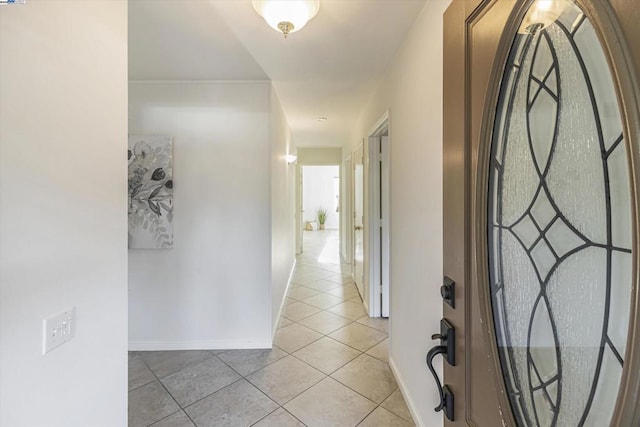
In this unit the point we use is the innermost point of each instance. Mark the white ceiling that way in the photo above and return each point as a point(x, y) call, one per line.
point(329, 69)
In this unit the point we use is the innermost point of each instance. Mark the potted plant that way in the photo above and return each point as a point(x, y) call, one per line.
point(322, 217)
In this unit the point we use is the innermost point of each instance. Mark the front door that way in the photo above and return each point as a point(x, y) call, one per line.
point(541, 142)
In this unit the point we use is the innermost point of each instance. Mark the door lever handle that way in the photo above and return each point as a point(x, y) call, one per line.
point(447, 337)
point(447, 350)
point(444, 397)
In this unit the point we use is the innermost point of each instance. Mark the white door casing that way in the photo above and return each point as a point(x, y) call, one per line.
point(385, 231)
point(358, 218)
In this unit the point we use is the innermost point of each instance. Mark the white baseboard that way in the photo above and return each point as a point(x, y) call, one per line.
point(405, 393)
point(198, 345)
point(284, 299)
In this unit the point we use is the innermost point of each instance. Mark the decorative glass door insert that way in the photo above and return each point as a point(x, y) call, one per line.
point(559, 223)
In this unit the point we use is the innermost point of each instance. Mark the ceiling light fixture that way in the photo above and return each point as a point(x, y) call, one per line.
point(287, 16)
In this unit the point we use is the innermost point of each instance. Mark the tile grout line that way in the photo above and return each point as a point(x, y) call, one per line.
point(209, 395)
point(142, 385)
point(168, 392)
point(342, 366)
point(311, 271)
point(366, 416)
point(278, 403)
point(228, 385)
point(335, 370)
point(327, 336)
point(261, 391)
point(325, 376)
point(342, 327)
point(331, 375)
point(274, 411)
point(183, 408)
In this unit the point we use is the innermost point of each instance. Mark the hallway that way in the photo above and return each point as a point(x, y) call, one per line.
point(328, 367)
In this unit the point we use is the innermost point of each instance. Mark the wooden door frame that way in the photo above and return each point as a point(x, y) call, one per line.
point(623, 54)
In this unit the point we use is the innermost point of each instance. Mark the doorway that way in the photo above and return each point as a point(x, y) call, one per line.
point(318, 200)
point(378, 223)
point(321, 197)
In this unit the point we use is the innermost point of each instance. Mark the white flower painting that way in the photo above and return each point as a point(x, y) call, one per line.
point(150, 192)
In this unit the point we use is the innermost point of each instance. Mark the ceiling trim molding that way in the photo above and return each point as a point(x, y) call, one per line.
point(199, 82)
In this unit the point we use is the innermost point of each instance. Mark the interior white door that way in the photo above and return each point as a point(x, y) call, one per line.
point(346, 223)
point(299, 210)
point(384, 223)
point(358, 219)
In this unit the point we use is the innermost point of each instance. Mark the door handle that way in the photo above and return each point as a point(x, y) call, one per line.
point(358, 227)
point(447, 350)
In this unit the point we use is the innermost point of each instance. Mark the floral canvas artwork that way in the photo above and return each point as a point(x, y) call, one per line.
point(150, 192)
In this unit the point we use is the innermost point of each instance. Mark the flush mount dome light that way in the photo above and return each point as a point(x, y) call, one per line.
point(287, 16)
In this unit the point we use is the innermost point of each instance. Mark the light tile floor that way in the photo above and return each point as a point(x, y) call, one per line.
point(328, 367)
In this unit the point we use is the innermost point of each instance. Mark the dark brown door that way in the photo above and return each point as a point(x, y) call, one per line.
point(541, 131)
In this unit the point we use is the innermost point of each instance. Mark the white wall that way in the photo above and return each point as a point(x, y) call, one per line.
point(319, 192)
point(213, 289)
point(319, 155)
point(282, 209)
point(412, 92)
point(63, 202)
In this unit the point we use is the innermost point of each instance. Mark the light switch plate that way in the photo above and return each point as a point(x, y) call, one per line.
point(58, 329)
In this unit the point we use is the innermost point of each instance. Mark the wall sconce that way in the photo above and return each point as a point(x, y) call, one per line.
point(291, 159)
point(287, 16)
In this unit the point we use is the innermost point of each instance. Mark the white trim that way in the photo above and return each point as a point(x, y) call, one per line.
point(375, 260)
point(284, 299)
point(366, 304)
point(354, 163)
point(372, 262)
point(405, 393)
point(199, 345)
point(198, 82)
point(381, 125)
point(346, 223)
point(298, 209)
point(385, 229)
